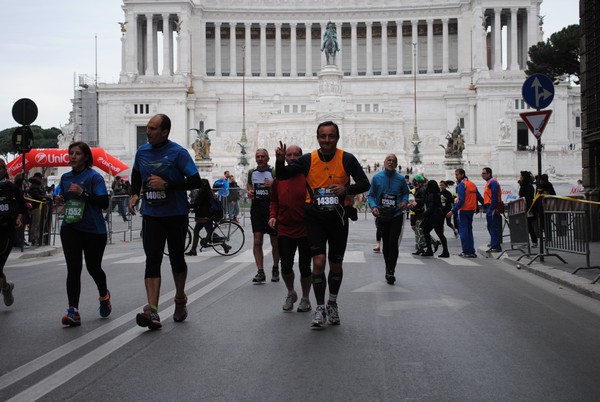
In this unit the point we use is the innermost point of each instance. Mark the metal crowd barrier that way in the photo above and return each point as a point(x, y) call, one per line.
point(516, 220)
point(567, 229)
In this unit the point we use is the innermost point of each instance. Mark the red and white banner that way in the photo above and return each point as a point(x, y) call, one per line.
point(52, 157)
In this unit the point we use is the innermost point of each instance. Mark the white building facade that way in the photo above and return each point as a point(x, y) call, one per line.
point(256, 66)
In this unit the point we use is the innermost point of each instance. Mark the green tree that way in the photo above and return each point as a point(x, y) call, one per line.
point(558, 56)
point(42, 138)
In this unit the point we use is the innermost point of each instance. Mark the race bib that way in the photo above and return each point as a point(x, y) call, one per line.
point(155, 198)
point(262, 191)
point(325, 199)
point(74, 210)
point(4, 206)
point(388, 200)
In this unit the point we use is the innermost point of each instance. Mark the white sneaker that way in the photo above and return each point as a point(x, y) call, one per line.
point(333, 315)
point(289, 301)
point(319, 318)
point(304, 306)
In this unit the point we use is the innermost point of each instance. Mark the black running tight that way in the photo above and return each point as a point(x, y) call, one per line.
point(91, 245)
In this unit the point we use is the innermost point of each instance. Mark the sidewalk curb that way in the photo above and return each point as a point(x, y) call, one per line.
point(565, 279)
point(40, 252)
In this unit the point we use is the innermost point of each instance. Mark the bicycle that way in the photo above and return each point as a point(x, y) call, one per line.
point(227, 238)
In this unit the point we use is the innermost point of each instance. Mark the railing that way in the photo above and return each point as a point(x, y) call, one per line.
point(516, 220)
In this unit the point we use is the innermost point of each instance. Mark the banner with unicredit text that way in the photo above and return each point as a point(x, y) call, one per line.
point(52, 157)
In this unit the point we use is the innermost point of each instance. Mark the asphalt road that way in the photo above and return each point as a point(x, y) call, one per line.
point(448, 330)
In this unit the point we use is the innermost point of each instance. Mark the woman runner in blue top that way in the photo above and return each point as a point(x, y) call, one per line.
point(83, 230)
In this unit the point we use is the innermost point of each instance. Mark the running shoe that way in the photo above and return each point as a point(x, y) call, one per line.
point(427, 254)
point(390, 278)
point(319, 318)
point(7, 293)
point(259, 277)
point(191, 253)
point(105, 306)
point(377, 249)
point(333, 315)
point(226, 248)
point(275, 275)
point(290, 299)
point(304, 306)
point(71, 317)
point(444, 255)
point(467, 255)
point(148, 319)
point(418, 252)
point(180, 309)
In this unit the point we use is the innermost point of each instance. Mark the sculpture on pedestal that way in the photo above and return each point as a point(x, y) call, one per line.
point(330, 43)
point(455, 145)
point(202, 144)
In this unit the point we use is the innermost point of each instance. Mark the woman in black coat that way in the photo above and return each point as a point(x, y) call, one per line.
point(434, 219)
point(527, 191)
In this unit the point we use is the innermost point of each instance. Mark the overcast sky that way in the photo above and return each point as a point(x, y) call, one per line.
point(46, 43)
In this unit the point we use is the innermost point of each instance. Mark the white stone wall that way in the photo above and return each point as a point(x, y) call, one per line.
point(289, 108)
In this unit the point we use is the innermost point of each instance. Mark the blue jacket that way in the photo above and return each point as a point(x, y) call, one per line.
point(392, 183)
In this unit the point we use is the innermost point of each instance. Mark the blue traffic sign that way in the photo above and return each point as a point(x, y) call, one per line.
point(538, 91)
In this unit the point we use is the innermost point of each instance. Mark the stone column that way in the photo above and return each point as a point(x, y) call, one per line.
point(232, 51)
point(123, 56)
point(514, 58)
point(184, 41)
point(384, 48)
point(354, 49)
point(248, 49)
point(497, 40)
point(149, 45)
point(472, 117)
point(278, 49)
point(172, 48)
point(399, 49)
point(166, 45)
point(201, 66)
point(415, 39)
point(131, 63)
point(338, 57)
point(445, 45)
point(369, 47)
point(429, 46)
point(533, 36)
point(218, 56)
point(293, 58)
point(309, 71)
point(263, 49)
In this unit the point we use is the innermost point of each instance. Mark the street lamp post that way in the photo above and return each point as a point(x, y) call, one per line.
point(416, 141)
point(243, 140)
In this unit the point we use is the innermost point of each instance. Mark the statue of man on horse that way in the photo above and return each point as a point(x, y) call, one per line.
point(330, 43)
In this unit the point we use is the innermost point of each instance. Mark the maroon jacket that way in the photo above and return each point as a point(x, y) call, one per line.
point(287, 206)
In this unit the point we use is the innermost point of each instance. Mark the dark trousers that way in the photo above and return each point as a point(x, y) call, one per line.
point(91, 245)
point(390, 239)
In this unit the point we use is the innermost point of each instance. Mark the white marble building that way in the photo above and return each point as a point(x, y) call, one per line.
point(257, 65)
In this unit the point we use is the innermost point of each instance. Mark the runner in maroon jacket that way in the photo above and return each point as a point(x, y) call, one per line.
point(286, 211)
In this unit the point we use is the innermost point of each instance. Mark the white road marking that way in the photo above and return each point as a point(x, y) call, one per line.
point(65, 374)
point(388, 308)
point(381, 287)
